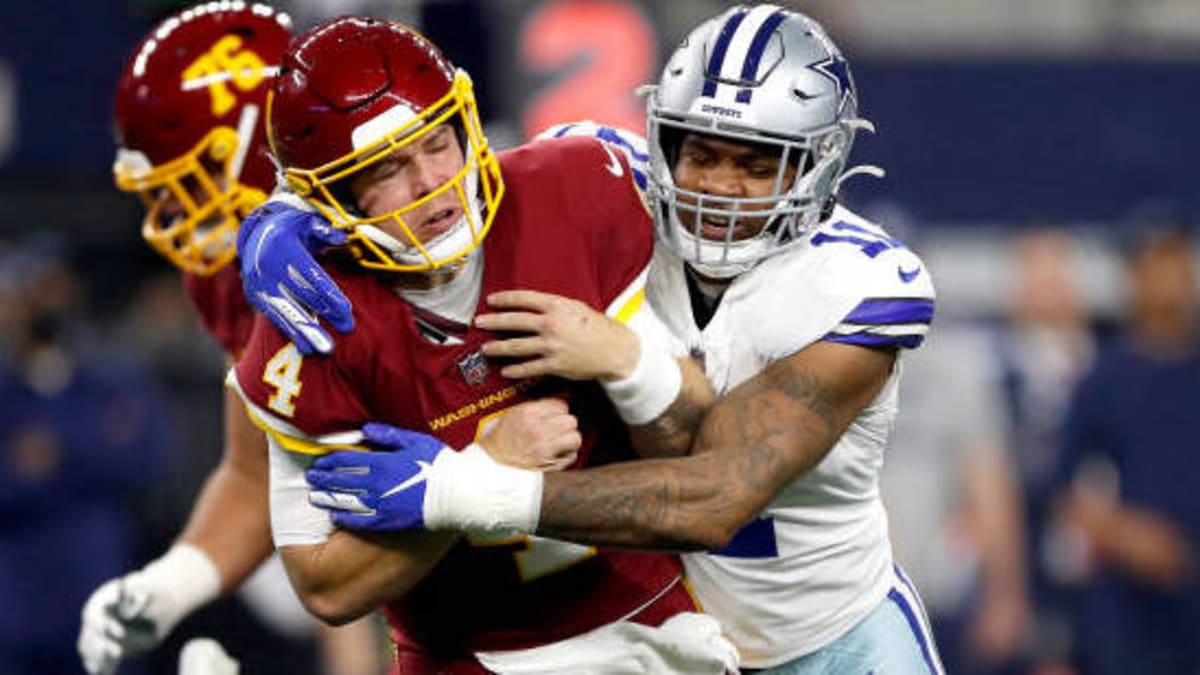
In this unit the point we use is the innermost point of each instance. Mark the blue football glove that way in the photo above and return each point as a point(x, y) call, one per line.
point(377, 490)
point(282, 280)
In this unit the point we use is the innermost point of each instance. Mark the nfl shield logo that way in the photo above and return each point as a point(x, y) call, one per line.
point(474, 368)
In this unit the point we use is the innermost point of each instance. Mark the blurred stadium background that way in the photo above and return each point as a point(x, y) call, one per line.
point(1023, 140)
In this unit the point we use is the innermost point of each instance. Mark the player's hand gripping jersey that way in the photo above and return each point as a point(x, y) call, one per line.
point(818, 559)
point(569, 224)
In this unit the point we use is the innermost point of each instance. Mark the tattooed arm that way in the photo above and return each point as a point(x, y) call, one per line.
point(672, 433)
point(754, 441)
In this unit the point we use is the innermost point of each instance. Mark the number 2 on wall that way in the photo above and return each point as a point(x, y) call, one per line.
point(620, 48)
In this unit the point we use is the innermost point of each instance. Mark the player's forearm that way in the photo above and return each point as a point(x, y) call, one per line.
point(354, 573)
point(758, 438)
point(677, 505)
point(230, 520)
point(671, 434)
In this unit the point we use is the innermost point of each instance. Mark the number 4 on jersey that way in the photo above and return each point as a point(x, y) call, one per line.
point(283, 373)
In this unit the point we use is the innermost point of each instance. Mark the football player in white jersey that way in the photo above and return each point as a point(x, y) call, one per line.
point(798, 309)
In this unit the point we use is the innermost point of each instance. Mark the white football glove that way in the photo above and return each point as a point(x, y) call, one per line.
point(130, 615)
point(205, 656)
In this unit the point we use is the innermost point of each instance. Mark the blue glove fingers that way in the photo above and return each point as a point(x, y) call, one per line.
point(344, 481)
point(338, 502)
point(344, 461)
point(391, 485)
point(299, 237)
point(290, 332)
point(312, 287)
point(292, 219)
point(326, 233)
point(293, 321)
point(396, 438)
point(277, 243)
point(248, 230)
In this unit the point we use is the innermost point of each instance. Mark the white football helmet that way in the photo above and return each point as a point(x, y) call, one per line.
point(760, 75)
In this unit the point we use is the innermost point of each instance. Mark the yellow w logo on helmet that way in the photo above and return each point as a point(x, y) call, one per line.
point(222, 64)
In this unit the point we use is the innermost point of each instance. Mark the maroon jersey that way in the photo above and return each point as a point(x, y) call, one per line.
point(223, 308)
point(570, 223)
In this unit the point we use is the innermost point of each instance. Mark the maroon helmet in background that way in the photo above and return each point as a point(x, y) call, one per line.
point(352, 91)
point(190, 109)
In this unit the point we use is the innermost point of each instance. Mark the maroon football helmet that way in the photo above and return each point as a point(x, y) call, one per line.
point(190, 105)
point(355, 90)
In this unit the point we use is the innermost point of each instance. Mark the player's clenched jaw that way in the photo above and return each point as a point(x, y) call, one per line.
point(723, 170)
point(412, 181)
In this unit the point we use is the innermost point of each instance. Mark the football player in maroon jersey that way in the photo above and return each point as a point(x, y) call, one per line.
point(378, 132)
point(190, 104)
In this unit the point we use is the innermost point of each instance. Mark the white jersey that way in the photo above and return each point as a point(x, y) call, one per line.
point(818, 559)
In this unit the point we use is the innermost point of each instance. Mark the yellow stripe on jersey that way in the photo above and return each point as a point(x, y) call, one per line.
point(626, 312)
point(289, 437)
point(630, 300)
point(687, 586)
point(303, 446)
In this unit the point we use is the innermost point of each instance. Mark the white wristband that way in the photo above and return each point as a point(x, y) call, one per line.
point(470, 492)
point(650, 389)
point(183, 579)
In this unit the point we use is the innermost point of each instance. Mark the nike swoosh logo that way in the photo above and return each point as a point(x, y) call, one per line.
point(418, 477)
point(614, 165)
point(908, 275)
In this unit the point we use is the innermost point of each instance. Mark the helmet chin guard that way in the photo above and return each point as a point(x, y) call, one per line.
point(327, 127)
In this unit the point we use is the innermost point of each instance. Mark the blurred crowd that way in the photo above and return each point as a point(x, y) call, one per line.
point(108, 424)
point(1040, 484)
